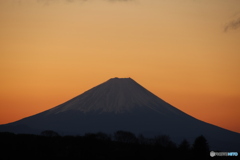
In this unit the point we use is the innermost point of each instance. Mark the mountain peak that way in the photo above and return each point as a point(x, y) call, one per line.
point(117, 95)
point(119, 79)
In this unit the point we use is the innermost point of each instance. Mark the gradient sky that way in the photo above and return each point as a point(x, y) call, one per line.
point(187, 52)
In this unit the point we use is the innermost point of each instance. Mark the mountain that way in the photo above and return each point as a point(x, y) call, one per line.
point(123, 104)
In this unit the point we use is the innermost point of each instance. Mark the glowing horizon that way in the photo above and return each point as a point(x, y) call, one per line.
point(185, 52)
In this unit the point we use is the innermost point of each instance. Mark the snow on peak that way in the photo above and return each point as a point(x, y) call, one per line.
point(120, 79)
point(116, 95)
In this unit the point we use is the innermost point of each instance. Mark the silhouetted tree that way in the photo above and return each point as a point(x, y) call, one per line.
point(201, 148)
point(103, 136)
point(142, 139)
point(49, 133)
point(184, 150)
point(164, 141)
point(99, 136)
point(98, 146)
point(126, 137)
point(184, 146)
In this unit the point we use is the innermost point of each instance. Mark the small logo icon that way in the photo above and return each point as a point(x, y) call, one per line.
point(212, 153)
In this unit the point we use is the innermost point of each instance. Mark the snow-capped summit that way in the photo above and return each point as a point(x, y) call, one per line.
point(123, 104)
point(117, 95)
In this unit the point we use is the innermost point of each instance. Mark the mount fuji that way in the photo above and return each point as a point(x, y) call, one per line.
point(123, 104)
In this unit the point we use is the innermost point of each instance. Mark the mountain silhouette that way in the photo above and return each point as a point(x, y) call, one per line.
point(123, 104)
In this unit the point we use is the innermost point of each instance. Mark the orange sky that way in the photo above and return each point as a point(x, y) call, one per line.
point(177, 49)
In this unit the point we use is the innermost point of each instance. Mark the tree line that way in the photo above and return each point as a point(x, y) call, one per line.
point(120, 145)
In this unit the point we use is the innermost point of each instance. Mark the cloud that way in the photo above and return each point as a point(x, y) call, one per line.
point(233, 25)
